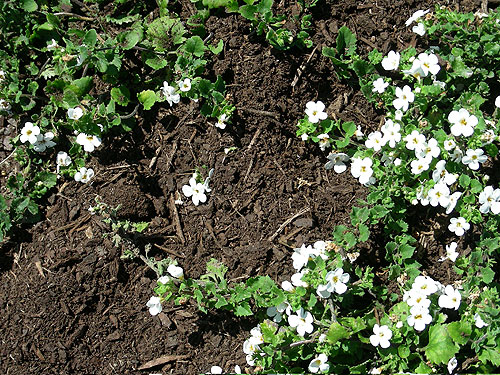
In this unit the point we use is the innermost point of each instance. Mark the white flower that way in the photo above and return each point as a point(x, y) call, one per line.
point(420, 165)
point(358, 133)
point(319, 364)
point(415, 141)
point(379, 85)
point(164, 279)
point(419, 29)
point(497, 102)
point(4, 105)
point(287, 286)
point(296, 279)
point(84, 175)
point(185, 85)
point(403, 99)
point(449, 144)
point(425, 285)
point(221, 121)
point(430, 149)
point(488, 199)
point(52, 45)
point(216, 370)
point(196, 191)
point(429, 63)
point(2, 75)
point(315, 111)
point(375, 371)
point(419, 318)
point(451, 299)
point(376, 141)
point(473, 158)
point(256, 335)
point(336, 161)
point(154, 305)
point(44, 142)
point(170, 94)
point(452, 364)
point(175, 271)
point(301, 256)
point(29, 133)
point(416, 297)
point(362, 169)
point(302, 321)
point(304, 137)
point(453, 201)
point(88, 141)
point(63, 159)
point(458, 225)
point(415, 16)
point(391, 61)
point(451, 252)
point(381, 336)
point(336, 281)
point(324, 141)
point(479, 322)
point(440, 174)
point(462, 122)
point(398, 115)
point(75, 113)
point(391, 132)
point(237, 369)
point(439, 194)
point(250, 348)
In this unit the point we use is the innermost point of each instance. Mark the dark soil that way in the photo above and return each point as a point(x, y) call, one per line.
point(71, 305)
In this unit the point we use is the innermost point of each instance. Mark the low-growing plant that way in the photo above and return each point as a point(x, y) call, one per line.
point(438, 136)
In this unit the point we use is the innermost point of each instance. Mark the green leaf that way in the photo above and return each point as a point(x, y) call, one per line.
point(354, 324)
point(490, 354)
point(248, 12)
point(406, 251)
point(441, 347)
point(487, 275)
point(460, 332)
point(243, 310)
point(121, 95)
point(403, 351)
point(90, 39)
point(81, 86)
point(475, 186)
point(148, 98)
point(70, 99)
point(29, 5)
point(47, 178)
point(346, 41)
point(337, 332)
point(131, 38)
point(195, 46)
point(464, 181)
point(218, 48)
point(349, 128)
point(216, 3)
point(422, 368)
point(364, 232)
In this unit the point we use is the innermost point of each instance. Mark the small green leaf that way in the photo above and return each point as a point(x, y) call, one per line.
point(90, 39)
point(121, 95)
point(406, 251)
point(403, 351)
point(337, 332)
point(243, 310)
point(441, 347)
point(156, 62)
point(475, 186)
point(148, 98)
point(218, 48)
point(195, 46)
point(131, 38)
point(81, 86)
point(346, 41)
point(464, 181)
point(349, 128)
point(29, 5)
point(487, 275)
point(364, 232)
point(248, 12)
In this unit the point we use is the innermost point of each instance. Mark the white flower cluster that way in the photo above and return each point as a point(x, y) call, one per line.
point(154, 303)
point(31, 133)
point(418, 298)
point(196, 190)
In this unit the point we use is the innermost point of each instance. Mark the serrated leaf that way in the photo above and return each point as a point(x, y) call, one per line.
point(131, 38)
point(81, 86)
point(364, 232)
point(349, 128)
point(441, 347)
point(490, 354)
point(346, 41)
point(406, 251)
point(156, 62)
point(147, 98)
point(460, 332)
point(218, 48)
point(487, 275)
point(216, 3)
point(243, 310)
point(248, 12)
point(47, 178)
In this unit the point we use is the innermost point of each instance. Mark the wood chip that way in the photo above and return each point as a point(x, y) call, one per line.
point(162, 360)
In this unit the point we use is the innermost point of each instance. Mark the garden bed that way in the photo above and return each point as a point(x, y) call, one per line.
point(71, 305)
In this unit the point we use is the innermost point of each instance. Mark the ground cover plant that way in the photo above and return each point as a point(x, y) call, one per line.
point(223, 166)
